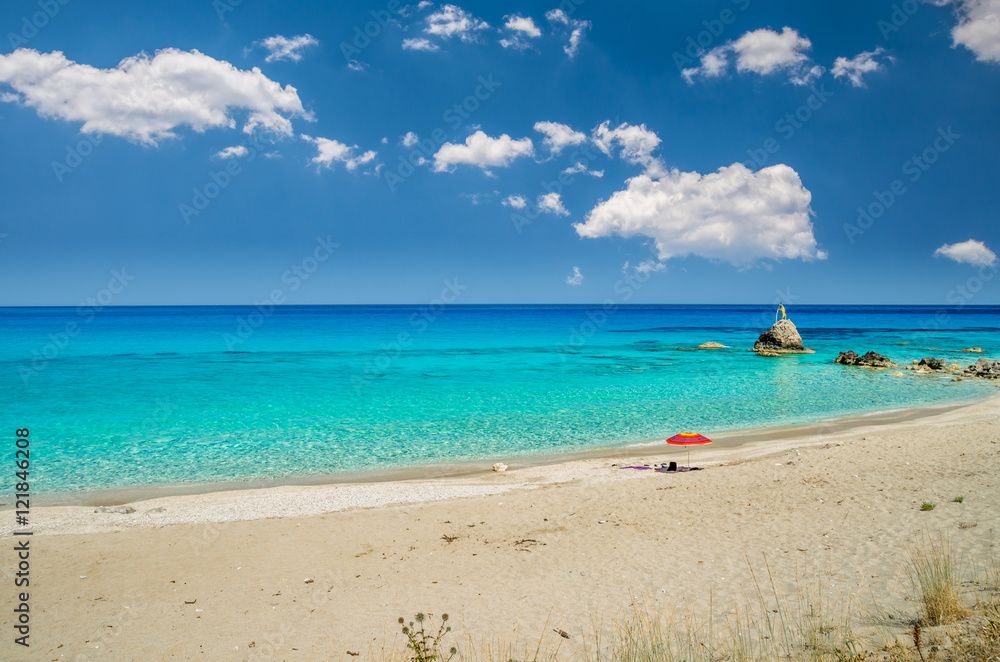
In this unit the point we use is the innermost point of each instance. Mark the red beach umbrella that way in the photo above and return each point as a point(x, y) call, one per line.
point(688, 439)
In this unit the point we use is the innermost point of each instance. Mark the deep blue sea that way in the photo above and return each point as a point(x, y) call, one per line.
point(173, 395)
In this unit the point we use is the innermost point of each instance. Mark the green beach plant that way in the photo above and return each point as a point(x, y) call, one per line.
point(958, 499)
point(425, 644)
point(934, 571)
point(927, 505)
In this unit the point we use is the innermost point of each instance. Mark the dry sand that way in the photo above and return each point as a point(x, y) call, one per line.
point(303, 573)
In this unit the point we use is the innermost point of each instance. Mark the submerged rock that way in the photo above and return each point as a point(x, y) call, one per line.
point(711, 345)
point(973, 350)
point(783, 337)
point(869, 360)
point(984, 369)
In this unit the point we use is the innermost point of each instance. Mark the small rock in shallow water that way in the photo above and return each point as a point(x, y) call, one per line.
point(499, 467)
point(869, 360)
point(932, 363)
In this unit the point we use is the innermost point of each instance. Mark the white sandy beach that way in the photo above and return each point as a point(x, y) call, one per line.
point(303, 573)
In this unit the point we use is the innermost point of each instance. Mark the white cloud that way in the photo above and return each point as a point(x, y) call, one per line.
point(334, 151)
point(521, 29)
point(453, 21)
point(645, 267)
point(580, 167)
point(515, 201)
point(734, 215)
point(762, 52)
point(420, 44)
point(282, 48)
point(576, 278)
point(145, 99)
point(766, 51)
point(410, 139)
point(482, 151)
point(978, 28)
point(551, 203)
point(236, 151)
point(714, 63)
point(637, 142)
point(855, 68)
point(424, 4)
point(577, 28)
point(523, 24)
point(968, 252)
point(559, 136)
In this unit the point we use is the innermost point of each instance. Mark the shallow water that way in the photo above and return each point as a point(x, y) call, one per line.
point(172, 395)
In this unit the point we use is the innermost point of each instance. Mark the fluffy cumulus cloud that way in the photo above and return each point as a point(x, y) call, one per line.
point(410, 139)
point(637, 143)
point(420, 44)
point(283, 48)
point(524, 25)
point(482, 151)
point(551, 203)
point(453, 21)
point(330, 152)
point(763, 52)
point(855, 68)
point(575, 278)
point(520, 30)
point(146, 99)
point(234, 152)
point(978, 28)
point(577, 30)
point(515, 201)
point(559, 136)
point(968, 252)
point(733, 215)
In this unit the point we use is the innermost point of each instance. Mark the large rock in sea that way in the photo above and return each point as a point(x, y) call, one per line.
point(783, 337)
point(869, 360)
point(985, 369)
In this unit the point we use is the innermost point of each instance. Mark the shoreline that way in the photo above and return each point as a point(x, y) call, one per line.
point(207, 503)
point(729, 439)
point(323, 572)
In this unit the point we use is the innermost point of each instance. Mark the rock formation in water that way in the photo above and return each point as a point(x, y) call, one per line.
point(869, 360)
point(985, 369)
point(711, 345)
point(932, 363)
point(782, 338)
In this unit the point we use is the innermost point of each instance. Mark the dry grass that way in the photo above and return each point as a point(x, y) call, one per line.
point(934, 571)
point(812, 623)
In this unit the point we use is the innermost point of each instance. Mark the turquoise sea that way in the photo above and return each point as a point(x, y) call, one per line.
point(173, 395)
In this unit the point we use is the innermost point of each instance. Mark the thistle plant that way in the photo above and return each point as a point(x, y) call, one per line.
point(424, 641)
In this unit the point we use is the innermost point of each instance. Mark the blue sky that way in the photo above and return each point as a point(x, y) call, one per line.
point(718, 151)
